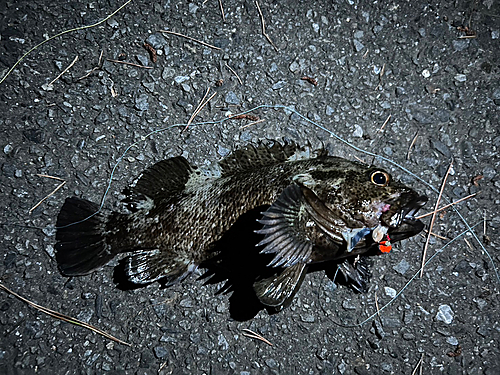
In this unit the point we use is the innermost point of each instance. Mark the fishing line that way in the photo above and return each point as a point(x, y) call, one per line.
point(409, 281)
point(403, 169)
point(292, 110)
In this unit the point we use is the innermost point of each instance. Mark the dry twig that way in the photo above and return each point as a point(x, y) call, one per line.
point(445, 207)
point(384, 124)
point(50, 194)
point(311, 80)
point(245, 116)
point(192, 39)
point(435, 235)
point(433, 219)
point(152, 52)
point(99, 66)
point(411, 146)
point(456, 352)
point(253, 335)
point(200, 106)
point(468, 244)
point(252, 123)
point(63, 317)
point(131, 64)
point(264, 26)
point(64, 71)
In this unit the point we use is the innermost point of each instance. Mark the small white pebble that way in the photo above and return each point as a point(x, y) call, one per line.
point(390, 292)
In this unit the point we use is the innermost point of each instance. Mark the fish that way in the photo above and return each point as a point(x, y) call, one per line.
point(314, 208)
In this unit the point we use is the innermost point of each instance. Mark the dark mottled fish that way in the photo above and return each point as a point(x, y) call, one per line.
point(314, 210)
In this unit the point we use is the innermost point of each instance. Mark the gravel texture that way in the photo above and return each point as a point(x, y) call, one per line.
point(405, 59)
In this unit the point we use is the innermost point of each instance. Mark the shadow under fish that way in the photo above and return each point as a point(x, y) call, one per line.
point(238, 271)
point(258, 221)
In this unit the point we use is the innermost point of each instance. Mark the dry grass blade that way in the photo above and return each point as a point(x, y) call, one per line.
point(47, 196)
point(360, 160)
point(49, 176)
point(63, 317)
point(419, 365)
point(434, 219)
point(232, 71)
point(129, 63)
point(222, 10)
point(376, 305)
point(64, 71)
point(468, 244)
point(484, 225)
point(60, 34)
point(264, 26)
point(253, 335)
point(198, 109)
point(192, 39)
point(445, 207)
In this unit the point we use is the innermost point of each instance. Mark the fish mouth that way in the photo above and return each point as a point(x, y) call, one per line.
point(403, 223)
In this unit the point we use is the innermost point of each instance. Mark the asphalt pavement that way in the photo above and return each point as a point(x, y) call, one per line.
point(415, 82)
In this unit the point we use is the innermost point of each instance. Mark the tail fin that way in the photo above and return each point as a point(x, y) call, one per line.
point(81, 247)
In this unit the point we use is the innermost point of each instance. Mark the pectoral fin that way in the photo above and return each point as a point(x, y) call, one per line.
point(284, 235)
point(278, 291)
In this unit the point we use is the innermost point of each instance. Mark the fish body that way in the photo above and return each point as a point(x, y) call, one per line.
point(314, 209)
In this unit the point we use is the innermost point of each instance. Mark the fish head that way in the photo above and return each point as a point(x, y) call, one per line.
point(354, 195)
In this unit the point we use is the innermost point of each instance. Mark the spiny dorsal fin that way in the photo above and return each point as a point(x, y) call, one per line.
point(251, 156)
point(164, 178)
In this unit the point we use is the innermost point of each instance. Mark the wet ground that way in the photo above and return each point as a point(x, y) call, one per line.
point(415, 83)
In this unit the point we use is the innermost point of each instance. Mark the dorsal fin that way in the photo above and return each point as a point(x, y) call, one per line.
point(164, 178)
point(255, 156)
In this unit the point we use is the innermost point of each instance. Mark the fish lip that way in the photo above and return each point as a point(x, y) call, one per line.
point(408, 225)
point(411, 208)
point(407, 212)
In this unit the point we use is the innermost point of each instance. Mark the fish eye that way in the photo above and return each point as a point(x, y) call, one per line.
point(380, 178)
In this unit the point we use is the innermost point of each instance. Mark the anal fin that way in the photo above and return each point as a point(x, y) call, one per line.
point(278, 291)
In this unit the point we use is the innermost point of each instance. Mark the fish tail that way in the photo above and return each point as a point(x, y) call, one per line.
point(81, 241)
